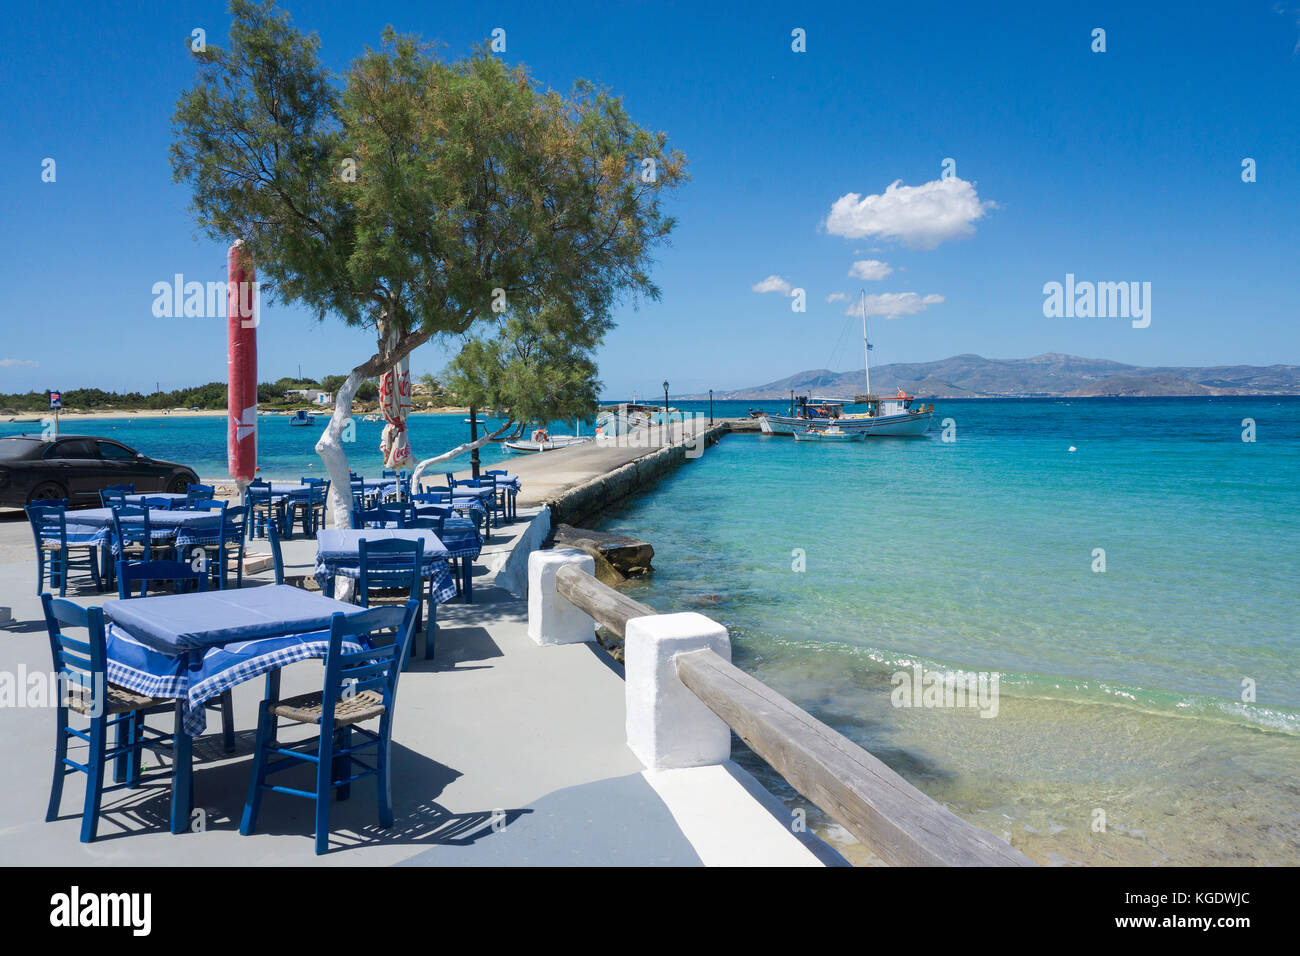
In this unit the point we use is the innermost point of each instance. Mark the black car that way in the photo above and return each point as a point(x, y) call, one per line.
point(76, 467)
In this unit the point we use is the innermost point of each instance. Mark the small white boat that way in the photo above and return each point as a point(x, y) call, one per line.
point(300, 417)
point(550, 443)
point(372, 418)
point(833, 433)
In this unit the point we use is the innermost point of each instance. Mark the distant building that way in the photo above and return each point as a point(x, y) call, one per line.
point(314, 395)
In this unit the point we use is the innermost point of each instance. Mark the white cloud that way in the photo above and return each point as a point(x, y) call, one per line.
point(891, 305)
point(921, 216)
point(773, 284)
point(870, 269)
point(17, 363)
point(837, 297)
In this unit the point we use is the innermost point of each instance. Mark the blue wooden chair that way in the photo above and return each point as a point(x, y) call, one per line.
point(359, 686)
point(310, 510)
point(433, 517)
point(184, 577)
point(261, 508)
point(54, 557)
point(390, 565)
point(233, 532)
point(388, 515)
point(115, 494)
point(180, 573)
point(80, 663)
point(195, 493)
point(133, 533)
point(507, 493)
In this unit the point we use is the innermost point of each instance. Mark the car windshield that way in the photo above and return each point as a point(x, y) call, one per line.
point(20, 448)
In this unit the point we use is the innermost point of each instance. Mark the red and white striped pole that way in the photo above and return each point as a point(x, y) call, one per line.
point(241, 364)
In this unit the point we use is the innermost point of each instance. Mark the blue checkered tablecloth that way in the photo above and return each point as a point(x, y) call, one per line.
point(194, 647)
point(146, 671)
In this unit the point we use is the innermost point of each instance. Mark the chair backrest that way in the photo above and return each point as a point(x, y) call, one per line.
point(135, 527)
point(79, 662)
point(376, 668)
point(129, 572)
point(49, 522)
point(195, 492)
point(497, 471)
point(277, 556)
point(206, 504)
point(258, 492)
point(110, 494)
point(433, 517)
point(388, 474)
point(388, 563)
point(436, 497)
point(383, 515)
point(234, 523)
point(162, 504)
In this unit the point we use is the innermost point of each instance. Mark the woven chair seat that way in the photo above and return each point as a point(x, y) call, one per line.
point(51, 546)
point(306, 708)
point(120, 700)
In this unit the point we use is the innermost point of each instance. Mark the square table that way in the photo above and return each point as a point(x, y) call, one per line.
point(338, 551)
point(197, 646)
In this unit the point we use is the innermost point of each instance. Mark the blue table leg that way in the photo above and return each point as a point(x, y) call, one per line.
point(183, 773)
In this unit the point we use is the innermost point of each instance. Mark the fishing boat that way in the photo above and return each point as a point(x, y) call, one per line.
point(890, 417)
point(300, 417)
point(541, 440)
point(832, 433)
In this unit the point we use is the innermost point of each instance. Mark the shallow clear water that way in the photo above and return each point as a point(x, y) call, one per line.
point(1120, 691)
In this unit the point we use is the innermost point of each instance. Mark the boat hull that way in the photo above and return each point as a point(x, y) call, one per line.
point(554, 445)
point(884, 426)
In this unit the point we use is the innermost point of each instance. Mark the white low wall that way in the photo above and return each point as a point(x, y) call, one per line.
point(513, 575)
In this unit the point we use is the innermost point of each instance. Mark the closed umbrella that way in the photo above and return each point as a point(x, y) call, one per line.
point(241, 365)
point(395, 400)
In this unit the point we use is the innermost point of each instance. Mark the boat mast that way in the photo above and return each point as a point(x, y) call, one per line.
point(866, 346)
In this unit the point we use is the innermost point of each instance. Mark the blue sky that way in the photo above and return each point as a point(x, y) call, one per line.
point(1115, 166)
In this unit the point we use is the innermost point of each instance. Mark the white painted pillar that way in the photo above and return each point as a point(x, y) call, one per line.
point(551, 618)
point(667, 725)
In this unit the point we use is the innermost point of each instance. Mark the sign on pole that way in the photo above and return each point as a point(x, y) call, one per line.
point(56, 401)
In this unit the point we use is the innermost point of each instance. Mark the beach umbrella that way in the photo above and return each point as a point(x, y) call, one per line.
point(395, 400)
point(241, 364)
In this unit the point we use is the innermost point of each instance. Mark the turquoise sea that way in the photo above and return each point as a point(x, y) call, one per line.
point(284, 450)
point(1121, 691)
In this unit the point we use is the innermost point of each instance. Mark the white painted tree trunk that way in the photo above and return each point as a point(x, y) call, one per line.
point(330, 449)
point(418, 474)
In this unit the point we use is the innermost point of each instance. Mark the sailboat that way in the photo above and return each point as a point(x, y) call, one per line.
point(891, 417)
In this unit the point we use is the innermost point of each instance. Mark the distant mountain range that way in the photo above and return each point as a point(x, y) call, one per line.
point(1050, 375)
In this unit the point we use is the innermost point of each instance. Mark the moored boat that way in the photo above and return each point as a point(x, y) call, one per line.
point(886, 417)
point(300, 417)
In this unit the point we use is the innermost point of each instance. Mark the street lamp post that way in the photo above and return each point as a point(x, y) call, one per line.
point(666, 430)
point(710, 408)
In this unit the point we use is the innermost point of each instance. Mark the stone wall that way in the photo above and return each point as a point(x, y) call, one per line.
point(590, 498)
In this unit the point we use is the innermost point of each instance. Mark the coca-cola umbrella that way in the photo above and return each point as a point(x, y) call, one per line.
point(395, 401)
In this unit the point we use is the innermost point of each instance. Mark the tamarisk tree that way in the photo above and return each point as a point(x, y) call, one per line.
point(534, 368)
point(416, 197)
